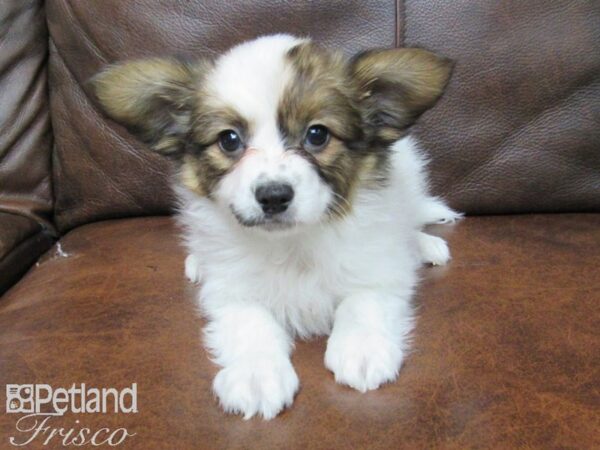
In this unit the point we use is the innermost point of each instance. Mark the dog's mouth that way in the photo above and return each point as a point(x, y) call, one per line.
point(268, 222)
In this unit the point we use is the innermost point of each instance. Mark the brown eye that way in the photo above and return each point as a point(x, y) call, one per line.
point(230, 141)
point(317, 137)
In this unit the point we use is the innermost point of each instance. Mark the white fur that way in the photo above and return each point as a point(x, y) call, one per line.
point(433, 249)
point(193, 271)
point(350, 278)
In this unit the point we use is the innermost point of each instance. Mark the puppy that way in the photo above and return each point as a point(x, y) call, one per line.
point(302, 198)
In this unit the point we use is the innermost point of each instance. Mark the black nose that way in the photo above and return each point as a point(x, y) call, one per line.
point(274, 197)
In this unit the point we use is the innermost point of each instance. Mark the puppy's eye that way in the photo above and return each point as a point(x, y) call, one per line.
point(230, 141)
point(317, 137)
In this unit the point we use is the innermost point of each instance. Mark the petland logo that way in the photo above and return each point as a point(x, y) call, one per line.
point(41, 402)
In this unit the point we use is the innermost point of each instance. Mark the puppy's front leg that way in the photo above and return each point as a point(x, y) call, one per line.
point(254, 350)
point(368, 340)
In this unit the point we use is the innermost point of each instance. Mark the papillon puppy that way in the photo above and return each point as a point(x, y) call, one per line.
point(303, 201)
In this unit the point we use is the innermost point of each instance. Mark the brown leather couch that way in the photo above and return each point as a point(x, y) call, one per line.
point(507, 347)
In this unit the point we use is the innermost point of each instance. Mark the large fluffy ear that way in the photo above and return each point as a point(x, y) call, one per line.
point(397, 86)
point(153, 98)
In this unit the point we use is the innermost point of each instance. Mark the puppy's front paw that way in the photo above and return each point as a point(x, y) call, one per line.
point(264, 386)
point(434, 250)
point(192, 269)
point(363, 360)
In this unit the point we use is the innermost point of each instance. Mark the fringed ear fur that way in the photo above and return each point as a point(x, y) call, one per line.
point(153, 98)
point(397, 86)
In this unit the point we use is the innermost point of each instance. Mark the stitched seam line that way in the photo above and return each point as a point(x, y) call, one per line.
point(400, 22)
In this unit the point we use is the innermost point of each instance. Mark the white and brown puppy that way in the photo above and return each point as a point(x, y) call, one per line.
point(303, 200)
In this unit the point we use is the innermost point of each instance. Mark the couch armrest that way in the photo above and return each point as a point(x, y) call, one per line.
point(22, 241)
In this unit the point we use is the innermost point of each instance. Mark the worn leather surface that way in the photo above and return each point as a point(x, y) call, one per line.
point(517, 130)
point(100, 170)
point(25, 138)
point(506, 350)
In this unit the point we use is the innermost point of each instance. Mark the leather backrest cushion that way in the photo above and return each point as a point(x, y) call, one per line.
point(515, 131)
point(519, 128)
point(25, 132)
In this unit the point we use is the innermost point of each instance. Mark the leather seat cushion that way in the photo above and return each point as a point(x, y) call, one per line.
point(506, 349)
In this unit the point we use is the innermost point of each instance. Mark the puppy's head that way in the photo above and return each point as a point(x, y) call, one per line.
point(278, 131)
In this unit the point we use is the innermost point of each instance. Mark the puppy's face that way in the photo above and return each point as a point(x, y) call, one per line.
point(278, 131)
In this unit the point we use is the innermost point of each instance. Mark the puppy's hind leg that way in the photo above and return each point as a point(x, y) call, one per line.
point(433, 249)
point(193, 270)
point(435, 211)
